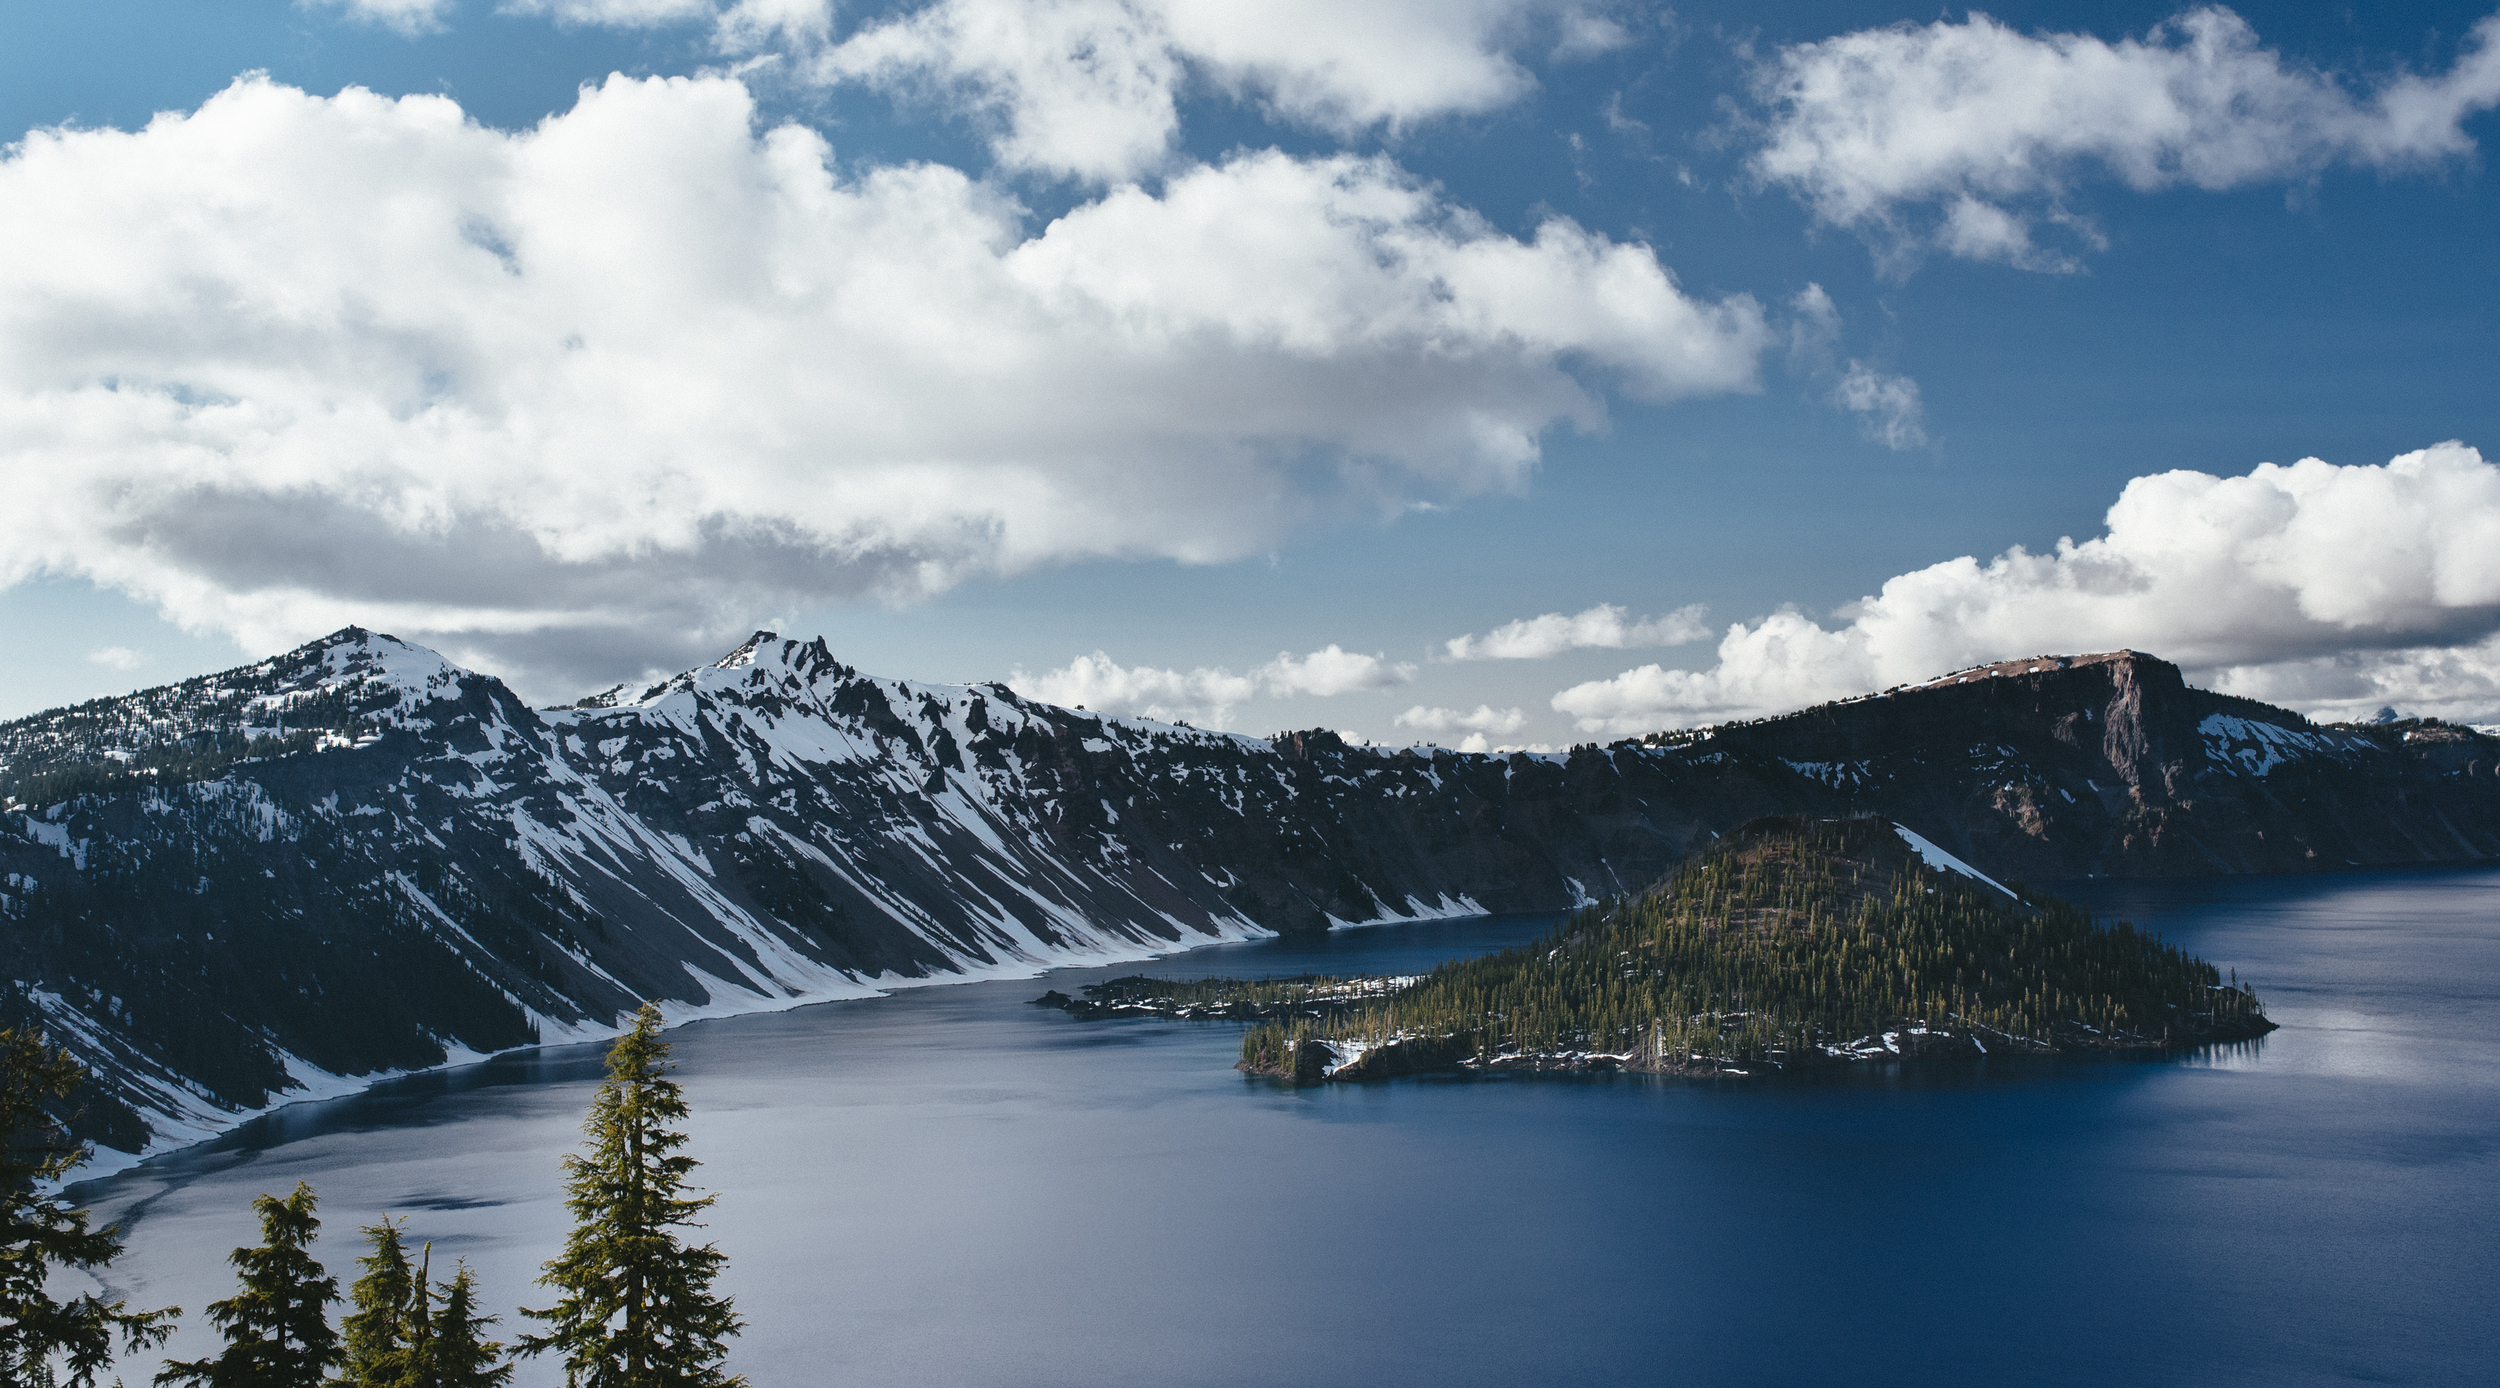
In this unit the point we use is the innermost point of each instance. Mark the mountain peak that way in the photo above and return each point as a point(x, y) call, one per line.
point(745, 654)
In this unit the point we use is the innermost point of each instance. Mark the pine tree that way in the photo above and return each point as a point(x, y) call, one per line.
point(638, 1309)
point(456, 1355)
point(277, 1328)
point(418, 1327)
point(375, 1336)
point(37, 1333)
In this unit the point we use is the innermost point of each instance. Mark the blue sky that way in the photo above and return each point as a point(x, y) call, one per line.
point(1237, 366)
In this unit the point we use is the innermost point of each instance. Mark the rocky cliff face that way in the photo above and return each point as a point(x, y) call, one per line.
point(357, 857)
point(2112, 765)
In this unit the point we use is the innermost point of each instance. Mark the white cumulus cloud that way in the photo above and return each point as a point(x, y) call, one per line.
point(1332, 671)
point(1969, 136)
point(1091, 88)
point(578, 400)
point(1605, 625)
point(2334, 588)
point(1102, 685)
point(1485, 719)
point(1207, 695)
point(1484, 725)
point(1094, 88)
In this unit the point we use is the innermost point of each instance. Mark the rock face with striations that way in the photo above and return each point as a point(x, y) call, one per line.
point(2112, 765)
point(357, 857)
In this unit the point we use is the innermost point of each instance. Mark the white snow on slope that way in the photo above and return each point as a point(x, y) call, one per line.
point(1938, 858)
point(1417, 909)
point(777, 718)
point(2258, 748)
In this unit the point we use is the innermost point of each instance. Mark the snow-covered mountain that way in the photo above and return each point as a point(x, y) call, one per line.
point(357, 857)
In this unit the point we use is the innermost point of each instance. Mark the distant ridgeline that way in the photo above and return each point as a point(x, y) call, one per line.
point(1796, 944)
point(357, 857)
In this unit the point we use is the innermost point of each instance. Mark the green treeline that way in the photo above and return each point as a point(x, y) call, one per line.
point(1304, 994)
point(201, 757)
point(1789, 938)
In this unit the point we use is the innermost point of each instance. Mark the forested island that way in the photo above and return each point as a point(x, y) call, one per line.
point(1793, 944)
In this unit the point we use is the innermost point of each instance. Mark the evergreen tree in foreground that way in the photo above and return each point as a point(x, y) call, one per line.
point(374, 1337)
point(395, 1338)
point(638, 1309)
point(37, 1333)
point(419, 1326)
point(456, 1355)
point(277, 1328)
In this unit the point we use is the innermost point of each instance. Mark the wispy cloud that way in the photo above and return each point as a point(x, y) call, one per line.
point(117, 657)
point(1207, 694)
point(1889, 408)
point(408, 17)
point(1605, 625)
point(615, 14)
point(1091, 88)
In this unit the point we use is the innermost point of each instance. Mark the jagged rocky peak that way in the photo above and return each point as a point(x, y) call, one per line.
point(763, 661)
point(776, 678)
point(745, 655)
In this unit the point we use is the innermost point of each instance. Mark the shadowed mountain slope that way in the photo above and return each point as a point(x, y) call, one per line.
point(357, 857)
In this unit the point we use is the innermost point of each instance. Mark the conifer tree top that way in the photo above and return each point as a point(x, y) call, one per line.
point(277, 1327)
point(374, 1338)
point(637, 1309)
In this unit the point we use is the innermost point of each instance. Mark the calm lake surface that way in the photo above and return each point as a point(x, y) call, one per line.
point(949, 1187)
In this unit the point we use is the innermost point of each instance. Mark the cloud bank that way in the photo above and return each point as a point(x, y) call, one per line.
point(1605, 625)
point(1206, 695)
point(574, 400)
point(2335, 589)
point(1091, 88)
point(1968, 137)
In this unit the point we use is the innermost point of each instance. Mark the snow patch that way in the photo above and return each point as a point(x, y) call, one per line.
point(2257, 748)
point(1447, 908)
point(1938, 858)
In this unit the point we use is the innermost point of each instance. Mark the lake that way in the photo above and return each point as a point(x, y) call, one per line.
point(950, 1187)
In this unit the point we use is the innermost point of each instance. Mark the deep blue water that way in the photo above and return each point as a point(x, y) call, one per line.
point(949, 1187)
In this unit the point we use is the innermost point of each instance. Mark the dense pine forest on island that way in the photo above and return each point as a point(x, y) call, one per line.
point(1793, 944)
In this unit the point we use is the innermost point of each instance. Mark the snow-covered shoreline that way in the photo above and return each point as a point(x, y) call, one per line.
point(203, 1123)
